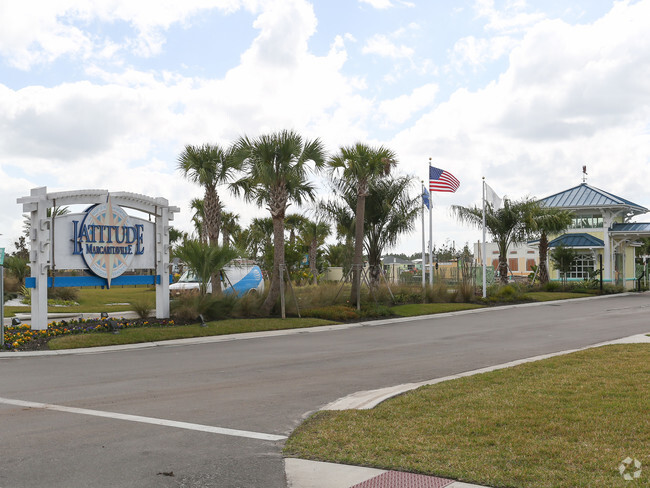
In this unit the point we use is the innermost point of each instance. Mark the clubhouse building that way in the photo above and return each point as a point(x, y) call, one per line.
point(601, 229)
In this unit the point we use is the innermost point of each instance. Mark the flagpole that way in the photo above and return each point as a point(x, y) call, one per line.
point(484, 256)
point(424, 282)
point(430, 228)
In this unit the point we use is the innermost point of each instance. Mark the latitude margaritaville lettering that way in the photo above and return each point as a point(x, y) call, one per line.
point(106, 234)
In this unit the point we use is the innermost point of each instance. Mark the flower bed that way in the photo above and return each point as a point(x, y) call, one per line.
point(23, 338)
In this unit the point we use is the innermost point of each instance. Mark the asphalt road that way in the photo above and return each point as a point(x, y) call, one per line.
point(262, 386)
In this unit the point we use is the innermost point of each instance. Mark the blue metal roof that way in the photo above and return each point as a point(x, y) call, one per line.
point(576, 240)
point(633, 227)
point(584, 196)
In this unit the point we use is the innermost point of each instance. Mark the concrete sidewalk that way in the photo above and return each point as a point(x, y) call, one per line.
point(302, 473)
point(312, 474)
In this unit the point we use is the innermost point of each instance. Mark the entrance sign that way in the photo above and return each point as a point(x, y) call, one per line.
point(104, 241)
point(107, 240)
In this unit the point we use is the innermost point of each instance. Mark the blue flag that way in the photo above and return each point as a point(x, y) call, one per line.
point(425, 197)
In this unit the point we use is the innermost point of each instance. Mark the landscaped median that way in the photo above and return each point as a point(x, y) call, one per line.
point(569, 421)
point(95, 333)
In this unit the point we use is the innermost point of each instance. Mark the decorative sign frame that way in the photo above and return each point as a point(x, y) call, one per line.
point(104, 240)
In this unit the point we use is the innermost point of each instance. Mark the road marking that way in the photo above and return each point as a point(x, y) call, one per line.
point(145, 420)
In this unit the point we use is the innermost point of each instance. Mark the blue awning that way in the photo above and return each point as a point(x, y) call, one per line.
point(577, 240)
point(632, 228)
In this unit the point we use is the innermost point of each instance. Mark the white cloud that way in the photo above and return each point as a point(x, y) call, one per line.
point(42, 31)
point(477, 52)
point(380, 4)
point(513, 18)
point(572, 95)
point(381, 45)
point(402, 108)
point(111, 134)
point(384, 4)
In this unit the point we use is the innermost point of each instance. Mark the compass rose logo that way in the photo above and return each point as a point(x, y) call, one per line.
point(109, 241)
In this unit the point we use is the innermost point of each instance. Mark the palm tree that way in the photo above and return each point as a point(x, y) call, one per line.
point(337, 254)
point(343, 217)
point(508, 225)
point(209, 166)
point(198, 218)
point(260, 241)
point(293, 223)
point(563, 258)
point(205, 261)
point(276, 176)
point(229, 226)
point(18, 266)
point(390, 212)
point(313, 235)
point(545, 221)
point(361, 164)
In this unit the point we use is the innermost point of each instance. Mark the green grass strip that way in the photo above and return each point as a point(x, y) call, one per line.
point(565, 422)
point(153, 334)
point(545, 296)
point(412, 310)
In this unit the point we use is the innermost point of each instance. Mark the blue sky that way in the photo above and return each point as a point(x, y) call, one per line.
point(106, 94)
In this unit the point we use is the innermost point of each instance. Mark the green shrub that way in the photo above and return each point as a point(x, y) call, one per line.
point(249, 305)
point(609, 289)
point(375, 311)
point(507, 292)
point(11, 284)
point(466, 292)
point(142, 306)
point(65, 293)
point(402, 293)
point(552, 286)
point(337, 313)
point(439, 293)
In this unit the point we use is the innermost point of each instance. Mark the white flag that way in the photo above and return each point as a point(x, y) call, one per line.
point(492, 198)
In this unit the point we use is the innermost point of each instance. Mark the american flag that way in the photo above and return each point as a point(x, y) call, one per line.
point(441, 180)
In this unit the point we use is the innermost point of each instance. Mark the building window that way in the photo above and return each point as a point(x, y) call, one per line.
point(586, 222)
point(529, 264)
point(582, 266)
point(513, 264)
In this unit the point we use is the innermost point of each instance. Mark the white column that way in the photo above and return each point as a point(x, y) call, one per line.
point(162, 260)
point(39, 255)
point(608, 267)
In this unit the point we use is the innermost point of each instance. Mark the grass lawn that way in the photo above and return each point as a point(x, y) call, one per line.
point(565, 422)
point(412, 310)
point(545, 296)
point(96, 300)
point(150, 334)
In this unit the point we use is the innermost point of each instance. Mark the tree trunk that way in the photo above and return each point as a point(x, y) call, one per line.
point(212, 215)
point(278, 260)
point(278, 208)
point(357, 261)
point(374, 262)
point(543, 253)
point(503, 269)
point(313, 247)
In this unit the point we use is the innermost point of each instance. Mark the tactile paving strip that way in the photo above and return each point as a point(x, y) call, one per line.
point(396, 479)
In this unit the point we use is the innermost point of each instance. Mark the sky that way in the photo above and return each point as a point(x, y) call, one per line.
point(106, 94)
